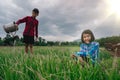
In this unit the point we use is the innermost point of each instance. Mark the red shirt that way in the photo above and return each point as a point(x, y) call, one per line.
point(31, 26)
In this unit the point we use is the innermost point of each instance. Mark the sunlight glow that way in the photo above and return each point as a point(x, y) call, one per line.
point(114, 6)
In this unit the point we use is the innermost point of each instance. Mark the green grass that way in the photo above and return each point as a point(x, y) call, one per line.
point(54, 63)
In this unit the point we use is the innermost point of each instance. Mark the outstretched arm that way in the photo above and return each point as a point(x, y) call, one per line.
point(82, 51)
point(22, 20)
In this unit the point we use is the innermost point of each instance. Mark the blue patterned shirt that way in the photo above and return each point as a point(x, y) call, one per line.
point(91, 49)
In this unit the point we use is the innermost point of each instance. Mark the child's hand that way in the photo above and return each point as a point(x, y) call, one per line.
point(16, 25)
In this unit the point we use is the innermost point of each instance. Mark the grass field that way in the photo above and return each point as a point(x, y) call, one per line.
point(54, 63)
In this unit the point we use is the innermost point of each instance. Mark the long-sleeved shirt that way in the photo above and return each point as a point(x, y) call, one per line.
point(31, 26)
point(91, 49)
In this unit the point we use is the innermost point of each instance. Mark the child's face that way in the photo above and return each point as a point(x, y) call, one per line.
point(86, 38)
point(34, 14)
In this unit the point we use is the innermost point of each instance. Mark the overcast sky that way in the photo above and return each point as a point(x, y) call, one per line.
point(62, 20)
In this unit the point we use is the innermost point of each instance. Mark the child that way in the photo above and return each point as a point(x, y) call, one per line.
point(31, 29)
point(88, 48)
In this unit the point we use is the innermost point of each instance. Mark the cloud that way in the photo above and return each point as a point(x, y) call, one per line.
point(62, 19)
point(110, 27)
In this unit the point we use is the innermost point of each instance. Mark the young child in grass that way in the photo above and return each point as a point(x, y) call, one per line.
point(89, 49)
point(31, 29)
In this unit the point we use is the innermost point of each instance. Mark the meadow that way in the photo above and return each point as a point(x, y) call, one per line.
point(54, 63)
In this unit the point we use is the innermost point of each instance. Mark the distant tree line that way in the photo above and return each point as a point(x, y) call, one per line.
point(112, 39)
point(10, 41)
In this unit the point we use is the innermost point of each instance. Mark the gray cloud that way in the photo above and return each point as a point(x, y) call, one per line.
point(62, 19)
point(110, 27)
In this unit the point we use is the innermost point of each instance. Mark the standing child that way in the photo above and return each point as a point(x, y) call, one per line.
point(88, 48)
point(31, 29)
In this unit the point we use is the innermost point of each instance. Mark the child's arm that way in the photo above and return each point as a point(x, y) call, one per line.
point(21, 20)
point(37, 30)
point(94, 52)
point(83, 50)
